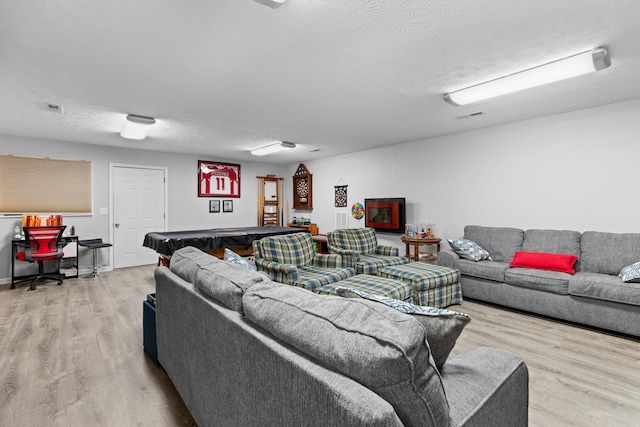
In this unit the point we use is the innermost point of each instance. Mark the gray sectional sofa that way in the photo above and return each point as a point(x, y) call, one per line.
point(242, 350)
point(593, 296)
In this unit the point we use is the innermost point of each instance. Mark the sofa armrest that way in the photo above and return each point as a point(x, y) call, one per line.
point(387, 250)
point(487, 387)
point(341, 251)
point(327, 261)
point(283, 273)
point(349, 256)
point(448, 259)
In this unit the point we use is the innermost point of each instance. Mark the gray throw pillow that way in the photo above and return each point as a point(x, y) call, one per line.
point(443, 326)
point(630, 273)
point(468, 249)
point(381, 348)
point(234, 258)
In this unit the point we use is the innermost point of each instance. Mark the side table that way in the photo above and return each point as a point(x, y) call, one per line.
point(321, 240)
point(416, 243)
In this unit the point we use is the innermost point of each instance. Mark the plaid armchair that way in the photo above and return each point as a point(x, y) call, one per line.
point(360, 250)
point(291, 259)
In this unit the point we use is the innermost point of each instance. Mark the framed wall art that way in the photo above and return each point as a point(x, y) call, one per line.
point(214, 206)
point(227, 206)
point(217, 179)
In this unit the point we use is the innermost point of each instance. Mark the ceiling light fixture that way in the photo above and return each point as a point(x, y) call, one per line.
point(273, 4)
point(136, 127)
point(273, 148)
point(572, 66)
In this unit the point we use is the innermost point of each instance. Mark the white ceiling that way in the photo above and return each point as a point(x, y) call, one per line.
point(225, 76)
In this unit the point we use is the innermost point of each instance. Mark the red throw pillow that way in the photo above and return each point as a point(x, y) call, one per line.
point(544, 261)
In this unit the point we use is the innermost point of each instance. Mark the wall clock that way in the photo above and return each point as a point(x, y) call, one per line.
point(302, 189)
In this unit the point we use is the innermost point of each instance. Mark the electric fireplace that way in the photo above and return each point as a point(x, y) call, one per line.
point(386, 215)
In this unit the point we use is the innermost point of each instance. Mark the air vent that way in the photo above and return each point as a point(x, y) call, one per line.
point(54, 108)
point(477, 113)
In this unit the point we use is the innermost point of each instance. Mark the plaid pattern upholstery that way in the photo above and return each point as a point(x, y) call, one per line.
point(440, 297)
point(313, 277)
point(360, 250)
point(290, 259)
point(296, 249)
point(370, 264)
point(373, 284)
point(432, 285)
point(361, 240)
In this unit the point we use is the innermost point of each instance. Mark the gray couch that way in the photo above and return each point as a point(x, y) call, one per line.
point(243, 350)
point(593, 296)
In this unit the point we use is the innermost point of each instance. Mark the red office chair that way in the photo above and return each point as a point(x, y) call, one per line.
point(42, 244)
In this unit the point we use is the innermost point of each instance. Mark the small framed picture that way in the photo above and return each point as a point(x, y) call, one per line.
point(214, 206)
point(227, 206)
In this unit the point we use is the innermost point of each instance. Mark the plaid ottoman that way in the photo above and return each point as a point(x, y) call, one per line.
point(373, 284)
point(432, 285)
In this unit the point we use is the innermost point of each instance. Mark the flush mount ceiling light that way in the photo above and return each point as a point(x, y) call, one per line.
point(273, 148)
point(572, 66)
point(136, 127)
point(273, 4)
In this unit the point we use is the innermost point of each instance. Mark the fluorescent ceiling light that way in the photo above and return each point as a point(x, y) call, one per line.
point(273, 4)
point(572, 66)
point(136, 127)
point(273, 148)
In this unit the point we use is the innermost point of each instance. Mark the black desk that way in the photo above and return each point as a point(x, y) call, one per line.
point(213, 240)
point(69, 271)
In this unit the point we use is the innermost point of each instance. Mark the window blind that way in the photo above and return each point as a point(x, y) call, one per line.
point(43, 185)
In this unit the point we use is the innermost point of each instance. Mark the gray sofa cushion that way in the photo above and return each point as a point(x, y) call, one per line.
point(500, 242)
point(554, 242)
point(223, 281)
point(226, 282)
point(443, 326)
point(548, 281)
point(604, 287)
point(379, 347)
point(608, 253)
point(187, 261)
point(490, 270)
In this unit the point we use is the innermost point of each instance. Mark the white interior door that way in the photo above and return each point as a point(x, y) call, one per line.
point(139, 204)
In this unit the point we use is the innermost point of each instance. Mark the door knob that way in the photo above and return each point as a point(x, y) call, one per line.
point(117, 225)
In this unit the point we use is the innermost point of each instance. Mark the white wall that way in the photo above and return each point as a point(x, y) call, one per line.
point(186, 211)
point(573, 171)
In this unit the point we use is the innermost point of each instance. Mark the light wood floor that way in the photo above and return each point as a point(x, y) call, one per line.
point(72, 355)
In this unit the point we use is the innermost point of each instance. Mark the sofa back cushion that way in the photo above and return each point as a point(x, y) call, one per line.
point(361, 240)
point(296, 249)
point(565, 242)
point(187, 261)
point(501, 242)
point(379, 347)
point(222, 281)
point(608, 253)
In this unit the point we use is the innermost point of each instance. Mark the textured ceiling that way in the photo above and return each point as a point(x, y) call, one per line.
point(225, 76)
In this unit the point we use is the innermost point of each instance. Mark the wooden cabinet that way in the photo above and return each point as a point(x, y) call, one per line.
point(269, 201)
point(313, 228)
